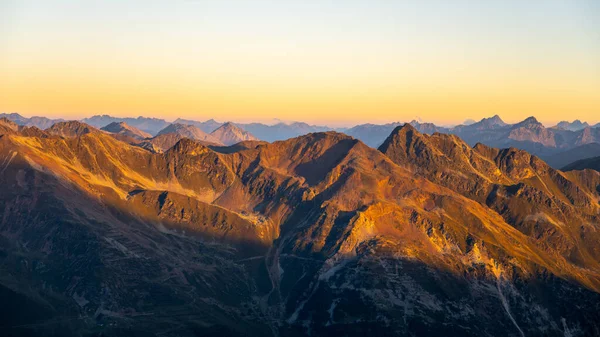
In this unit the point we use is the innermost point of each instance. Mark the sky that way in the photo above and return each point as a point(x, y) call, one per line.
point(323, 62)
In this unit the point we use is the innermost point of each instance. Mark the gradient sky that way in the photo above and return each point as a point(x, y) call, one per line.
point(326, 62)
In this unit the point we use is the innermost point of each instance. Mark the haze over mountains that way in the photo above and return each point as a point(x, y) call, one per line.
point(103, 232)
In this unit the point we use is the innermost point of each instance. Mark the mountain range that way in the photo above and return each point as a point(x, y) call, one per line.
point(315, 235)
point(559, 145)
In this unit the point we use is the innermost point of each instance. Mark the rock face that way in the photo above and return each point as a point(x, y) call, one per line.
point(123, 129)
point(230, 134)
point(317, 235)
point(269, 133)
point(374, 135)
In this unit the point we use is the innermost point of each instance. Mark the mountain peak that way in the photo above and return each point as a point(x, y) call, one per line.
point(120, 125)
point(400, 139)
point(189, 131)
point(125, 129)
point(71, 129)
point(494, 120)
point(188, 146)
point(406, 127)
point(528, 122)
point(230, 134)
point(12, 115)
point(576, 125)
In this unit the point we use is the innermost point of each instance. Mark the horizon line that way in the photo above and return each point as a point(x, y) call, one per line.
point(331, 124)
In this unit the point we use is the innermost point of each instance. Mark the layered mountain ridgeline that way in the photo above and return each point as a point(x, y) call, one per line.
point(564, 158)
point(532, 136)
point(230, 134)
point(558, 210)
point(224, 136)
point(35, 121)
point(125, 130)
point(374, 134)
point(529, 135)
point(559, 145)
point(206, 126)
point(566, 140)
point(318, 235)
point(282, 131)
point(572, 126)
point(265, 132)
point(270, 133)
point(146, 124)
point(584, 164)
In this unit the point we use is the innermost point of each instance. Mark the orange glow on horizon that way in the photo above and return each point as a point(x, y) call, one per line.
point(76, 62)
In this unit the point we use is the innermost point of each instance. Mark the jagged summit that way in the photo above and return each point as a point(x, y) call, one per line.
point(125, 129)
point(494, 121)
point(71, 129)
point(189, 131)
point(576, 125)
point(230, 134)
point(529, 121)
point(116, 127)
point(188, 146)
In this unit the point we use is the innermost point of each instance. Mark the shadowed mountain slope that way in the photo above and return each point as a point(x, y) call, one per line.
point(567, 157)
point(583, 164)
